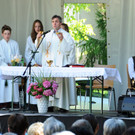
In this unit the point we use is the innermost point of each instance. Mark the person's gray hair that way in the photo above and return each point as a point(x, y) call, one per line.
point(9, 133)
point(114, 126)
point(64, 133)
point(83, 123)
point(52, 125)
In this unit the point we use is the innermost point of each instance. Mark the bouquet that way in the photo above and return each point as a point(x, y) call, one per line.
point(16, 60)
point(43, 87)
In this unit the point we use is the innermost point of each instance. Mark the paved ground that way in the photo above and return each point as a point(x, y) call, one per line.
point(95, 106)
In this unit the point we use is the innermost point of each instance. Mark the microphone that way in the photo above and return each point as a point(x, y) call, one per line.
point(46, 32)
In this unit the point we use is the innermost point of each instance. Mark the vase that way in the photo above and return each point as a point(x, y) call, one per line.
point(42, 105)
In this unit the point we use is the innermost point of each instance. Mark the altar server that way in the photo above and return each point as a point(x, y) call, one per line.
point(8, 49)
point(57, 45)
point(131, 67)
point(31, 46)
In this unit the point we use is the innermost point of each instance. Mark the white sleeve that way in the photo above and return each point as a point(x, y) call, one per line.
point(28, 53)
point(2, 58)
point(131, 68)
point(67, 45)
point(17, 49)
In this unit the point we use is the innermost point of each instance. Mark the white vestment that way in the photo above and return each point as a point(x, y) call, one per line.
point(131, 68)
point(30, 48)
point(62, 53)
point(7, 50)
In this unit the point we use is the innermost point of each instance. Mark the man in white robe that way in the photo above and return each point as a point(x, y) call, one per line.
point(58, 45)
point(8, 48)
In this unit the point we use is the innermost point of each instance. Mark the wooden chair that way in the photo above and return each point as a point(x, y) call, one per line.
point(129, 89)
point(108, 84)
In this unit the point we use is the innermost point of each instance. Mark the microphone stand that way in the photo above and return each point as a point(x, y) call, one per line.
point(29, 66)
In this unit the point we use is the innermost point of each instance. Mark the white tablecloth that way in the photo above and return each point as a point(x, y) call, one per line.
point(107, 73)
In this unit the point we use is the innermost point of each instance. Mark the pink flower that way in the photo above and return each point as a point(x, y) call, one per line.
point(54, 86)
point(35, 83)
point(54, 91)
point(29, 88)
point(32, 84)
point(38, 96)
point(34, 93)
point(48, 92)
point(46, 84)
point(35, 87)
point(40, 89)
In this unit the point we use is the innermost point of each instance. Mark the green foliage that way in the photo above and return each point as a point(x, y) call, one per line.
point(96, 49)
point(93, 49)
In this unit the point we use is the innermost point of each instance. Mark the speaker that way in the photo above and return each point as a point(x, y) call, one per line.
point(128, 104)
point(120, 101)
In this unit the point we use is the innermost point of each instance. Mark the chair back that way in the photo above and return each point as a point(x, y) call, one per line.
point(129, 84)
point(107, 83)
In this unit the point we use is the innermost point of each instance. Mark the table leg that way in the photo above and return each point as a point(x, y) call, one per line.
point(12, 95)
point(102, 81)
point(90, 96)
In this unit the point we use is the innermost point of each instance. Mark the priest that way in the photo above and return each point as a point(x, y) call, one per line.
point(57, 46)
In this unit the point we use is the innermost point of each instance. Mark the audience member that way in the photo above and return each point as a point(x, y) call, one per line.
point(114, 127)
point(93, 121)
point(9, 133)
point(36, 129)
point(52, 125)
point(17, 123)
point(81, 127)
point(130, 131)
point(64, 133)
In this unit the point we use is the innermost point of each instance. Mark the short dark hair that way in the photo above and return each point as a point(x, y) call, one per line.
point(57, 16)
point(6, 27)
point(92, 120)
point(17, 123)
point(80, 131)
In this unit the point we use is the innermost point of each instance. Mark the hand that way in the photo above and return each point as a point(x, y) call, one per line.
point(36, 65)
point(39, 34)
point(60, 35)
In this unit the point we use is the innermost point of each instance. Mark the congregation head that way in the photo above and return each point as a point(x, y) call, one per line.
point(18, 124)
point(114, 126)
point(64, 133)
point(130, 131)
point(36, 129)
point(52, 125)
point(93, 121)
point(83, 126)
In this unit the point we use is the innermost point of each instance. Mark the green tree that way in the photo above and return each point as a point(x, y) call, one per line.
point(93, 49)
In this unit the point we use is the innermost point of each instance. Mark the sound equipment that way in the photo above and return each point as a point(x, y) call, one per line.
point(128, 104)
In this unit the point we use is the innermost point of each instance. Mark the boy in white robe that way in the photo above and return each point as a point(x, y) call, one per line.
point(58, 45)
point(9, 48)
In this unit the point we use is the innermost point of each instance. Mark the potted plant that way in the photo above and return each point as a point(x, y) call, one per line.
point(41, 90)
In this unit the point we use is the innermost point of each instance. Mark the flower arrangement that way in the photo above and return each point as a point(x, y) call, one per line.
point(43, 87)
point(16, 60)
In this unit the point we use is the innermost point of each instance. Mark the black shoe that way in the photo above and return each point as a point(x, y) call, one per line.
point(50, 109)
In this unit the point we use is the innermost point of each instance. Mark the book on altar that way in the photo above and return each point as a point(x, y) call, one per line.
point(74, 65)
